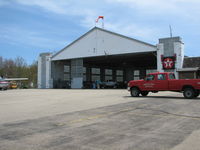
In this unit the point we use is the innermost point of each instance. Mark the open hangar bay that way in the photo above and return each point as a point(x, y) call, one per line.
point(63, 119)
point(106, 68)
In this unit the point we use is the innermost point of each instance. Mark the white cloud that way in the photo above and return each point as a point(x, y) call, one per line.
point(135, 31)
point(130, 29)
point(3, 2)
point(162, 6)
point(89, 10)
point(159, 4)
point(147, 4)
point(88, 14)
point(58, 6)
point(81, 7)
point(66, 7)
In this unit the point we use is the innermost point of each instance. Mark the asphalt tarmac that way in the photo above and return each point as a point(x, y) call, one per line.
point(96, 120)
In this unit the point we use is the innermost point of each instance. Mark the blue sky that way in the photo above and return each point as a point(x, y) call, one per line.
point(29, 27)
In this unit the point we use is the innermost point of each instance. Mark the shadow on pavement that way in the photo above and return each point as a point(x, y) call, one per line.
point(163, 97)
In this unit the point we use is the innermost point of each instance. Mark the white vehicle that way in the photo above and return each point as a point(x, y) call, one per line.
point(109, 84)
point(4, 84)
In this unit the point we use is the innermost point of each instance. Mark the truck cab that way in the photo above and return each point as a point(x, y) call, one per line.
point(157, 81)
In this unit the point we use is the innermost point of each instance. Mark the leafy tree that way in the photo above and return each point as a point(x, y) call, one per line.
point(18, 68)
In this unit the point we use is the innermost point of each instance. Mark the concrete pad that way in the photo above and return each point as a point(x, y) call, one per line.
point(16, 105)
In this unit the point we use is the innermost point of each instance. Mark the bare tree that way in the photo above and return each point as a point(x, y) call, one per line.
point(8, 68)
point(20, 62)
point(18, 68)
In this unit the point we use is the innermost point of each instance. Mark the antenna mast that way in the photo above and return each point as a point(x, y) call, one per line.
point(170, 28)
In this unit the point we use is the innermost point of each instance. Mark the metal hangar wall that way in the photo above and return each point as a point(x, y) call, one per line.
point(101, 56)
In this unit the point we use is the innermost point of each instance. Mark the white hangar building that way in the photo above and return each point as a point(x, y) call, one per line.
point(102, 55)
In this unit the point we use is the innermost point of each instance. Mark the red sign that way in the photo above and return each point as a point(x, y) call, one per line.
point(168, 63)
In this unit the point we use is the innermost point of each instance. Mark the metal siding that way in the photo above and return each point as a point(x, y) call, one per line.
point(43, 72)
point(39, 80)
point(48, 72)
point(99, 43)
point(77, 73)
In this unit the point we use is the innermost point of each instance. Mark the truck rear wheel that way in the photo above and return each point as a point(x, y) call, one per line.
point(189, 93)
point(144, 93)
point(135, 92)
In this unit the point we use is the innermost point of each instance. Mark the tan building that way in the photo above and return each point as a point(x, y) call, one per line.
point(191, 68)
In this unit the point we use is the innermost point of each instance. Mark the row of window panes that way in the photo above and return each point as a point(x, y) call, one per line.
point(108, 78)
point(119, 78)
point(136, 72)
point(66, 68)
point(136, 77)
point(84, 69)
point(151, 71)
point(95, 77)
point(84, 77)
point(84, 74)
point(119, 73)
point(108, 72)
point(95, 71)
point(66, 77)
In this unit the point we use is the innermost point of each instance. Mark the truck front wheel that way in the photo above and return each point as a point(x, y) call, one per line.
point(135, 92)
point(189, 93)
point(144, 93)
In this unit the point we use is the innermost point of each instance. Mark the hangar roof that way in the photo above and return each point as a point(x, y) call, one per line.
point(101, 42)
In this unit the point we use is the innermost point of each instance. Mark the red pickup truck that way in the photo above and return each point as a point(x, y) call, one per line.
point(164, 81)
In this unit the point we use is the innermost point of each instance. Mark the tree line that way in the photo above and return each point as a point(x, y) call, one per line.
point(18, 68)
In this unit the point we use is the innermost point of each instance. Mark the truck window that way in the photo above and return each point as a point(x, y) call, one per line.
point(150, 77)
point(171, 76)
point(161, 77)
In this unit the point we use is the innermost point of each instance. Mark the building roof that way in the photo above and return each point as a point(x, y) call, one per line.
point(191, 62)
point(125, 36)
point(96, 28)
point(188, 69)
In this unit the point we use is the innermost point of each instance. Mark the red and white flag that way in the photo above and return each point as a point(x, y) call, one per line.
point(100, 17)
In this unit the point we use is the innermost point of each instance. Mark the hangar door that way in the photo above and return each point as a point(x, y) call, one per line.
point(77, 83)
point(76, 73)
